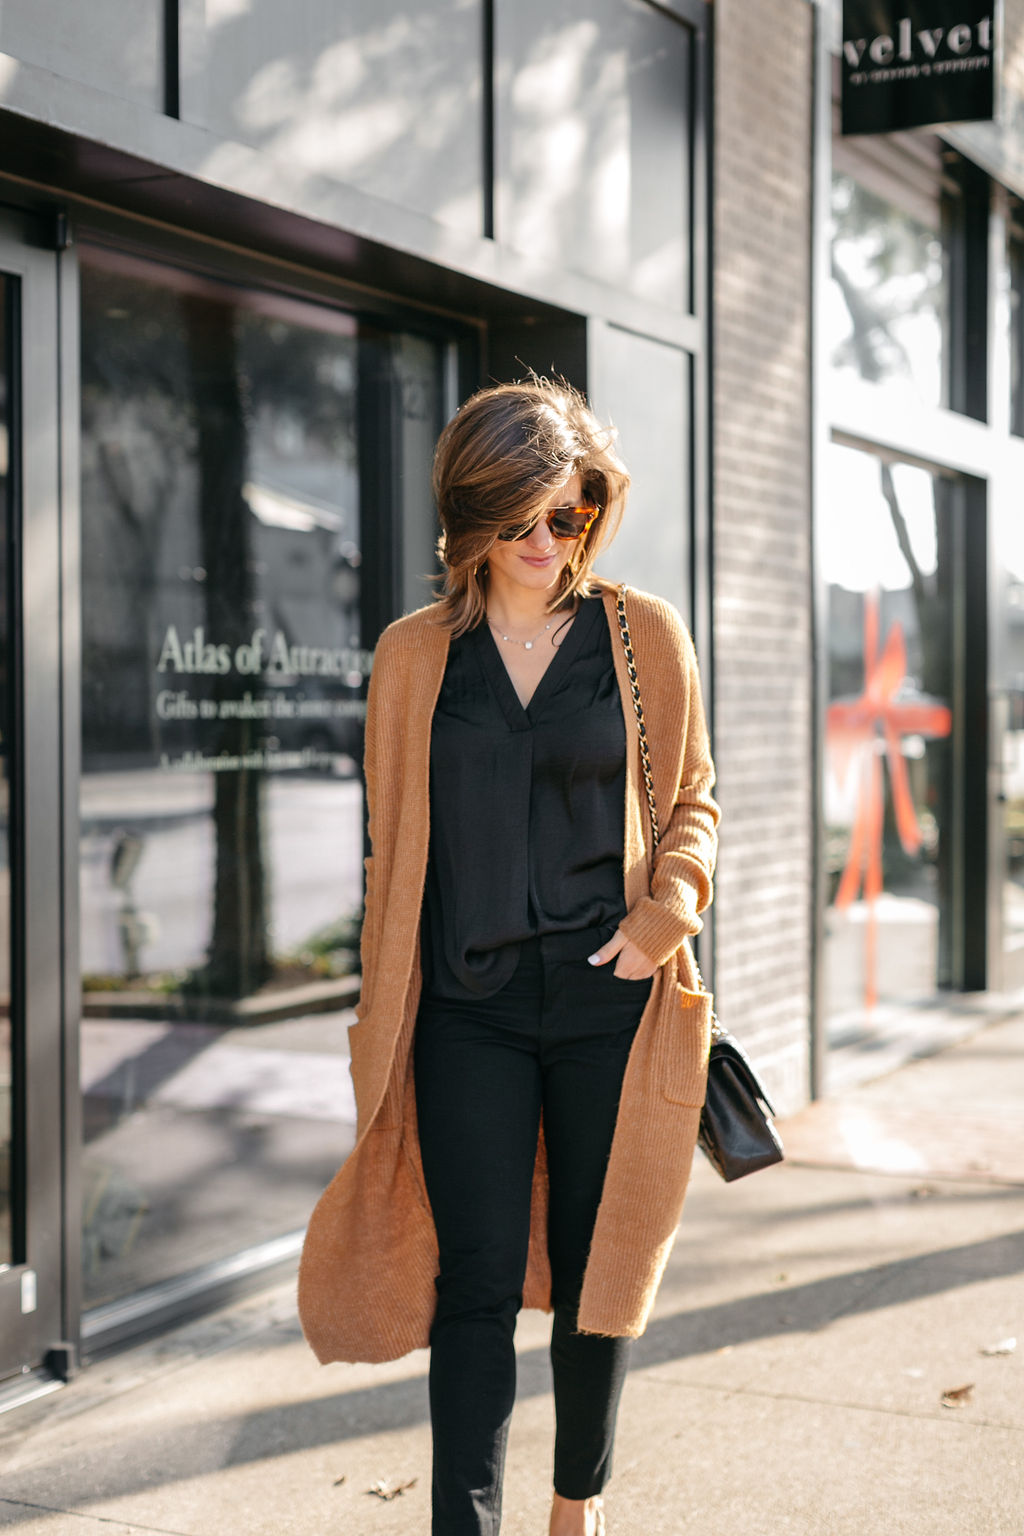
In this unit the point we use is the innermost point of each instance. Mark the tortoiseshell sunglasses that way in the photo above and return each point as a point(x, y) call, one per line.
point(564, 523)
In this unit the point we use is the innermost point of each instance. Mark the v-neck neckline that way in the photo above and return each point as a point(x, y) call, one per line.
point(519, 716)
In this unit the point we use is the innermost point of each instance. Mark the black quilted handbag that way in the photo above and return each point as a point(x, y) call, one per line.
point(737, 1133)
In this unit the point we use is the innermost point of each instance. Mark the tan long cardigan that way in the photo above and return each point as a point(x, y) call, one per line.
point(366, 1281)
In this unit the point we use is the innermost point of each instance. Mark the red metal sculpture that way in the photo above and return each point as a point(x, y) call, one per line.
point(859, 732)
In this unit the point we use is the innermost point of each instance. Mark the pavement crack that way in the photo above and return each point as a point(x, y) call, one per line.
point(79, 1514)
point(832, 1402)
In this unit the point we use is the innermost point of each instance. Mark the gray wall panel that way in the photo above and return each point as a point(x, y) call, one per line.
point(642, 386)
point(593, 126)
point(382, 95)
point(112, 45)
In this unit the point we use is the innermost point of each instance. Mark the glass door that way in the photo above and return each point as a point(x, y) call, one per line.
point(255, 506)
point(889, 550)
point(1007, 703)
point(32, 1119)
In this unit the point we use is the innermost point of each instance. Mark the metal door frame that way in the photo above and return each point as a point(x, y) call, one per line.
point(37, 1311)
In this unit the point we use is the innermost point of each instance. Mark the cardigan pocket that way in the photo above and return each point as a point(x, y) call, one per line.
point(683, 1044)
point(360, 1070)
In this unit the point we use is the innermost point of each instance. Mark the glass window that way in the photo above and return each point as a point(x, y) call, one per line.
point(1015, 254)
point(6, 1062)
point(414, 367)
point(887, 548)
point(224, 666)
point(594, 130)
point(886, 311)
point(1008, 699)
point(652, 548)
point(378, 94)
point(1010, 640)
point(120, 53)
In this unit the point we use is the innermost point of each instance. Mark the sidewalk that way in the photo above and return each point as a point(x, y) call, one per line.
point(791, 1381)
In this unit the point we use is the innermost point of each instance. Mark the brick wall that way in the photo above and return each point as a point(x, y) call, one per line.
point(762, 521)
point(1013, 46)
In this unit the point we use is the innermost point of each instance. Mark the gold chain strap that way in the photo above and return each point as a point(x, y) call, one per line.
point(634, 684)
point(645, 758)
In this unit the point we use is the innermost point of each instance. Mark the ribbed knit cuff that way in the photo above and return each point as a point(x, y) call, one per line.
point(656, 930)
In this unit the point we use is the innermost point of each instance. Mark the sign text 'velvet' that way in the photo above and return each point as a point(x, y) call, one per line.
point(916, 62)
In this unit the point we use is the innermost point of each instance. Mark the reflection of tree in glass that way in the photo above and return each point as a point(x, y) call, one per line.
point(932, 614)
point(237, 960)
point(888, 268)
point(299, 388)
point(187, 394)
point(252, 379)
point(137, 457)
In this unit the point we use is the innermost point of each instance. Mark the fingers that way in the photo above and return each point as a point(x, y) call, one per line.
point(608, 951)
point(631, 965)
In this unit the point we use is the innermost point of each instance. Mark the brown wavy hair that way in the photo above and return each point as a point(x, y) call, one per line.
point(497, 462)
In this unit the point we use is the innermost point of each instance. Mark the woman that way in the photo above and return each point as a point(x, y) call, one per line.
point(530, 1052)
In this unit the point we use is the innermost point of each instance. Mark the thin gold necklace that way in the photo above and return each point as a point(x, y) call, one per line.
point(528, 645)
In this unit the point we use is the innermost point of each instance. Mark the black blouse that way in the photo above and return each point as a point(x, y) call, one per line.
point(526, 807)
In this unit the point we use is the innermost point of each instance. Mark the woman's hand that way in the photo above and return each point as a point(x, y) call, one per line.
point(632, 964)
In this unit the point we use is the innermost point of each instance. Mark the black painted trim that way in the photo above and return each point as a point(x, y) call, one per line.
point(15, 733)
point(975, 801)
point(965, 231)
point(488, 126)
point(172, 58)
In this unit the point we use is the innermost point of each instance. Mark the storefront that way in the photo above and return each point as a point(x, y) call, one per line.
point(220, 385)
point(918, 536)
point(245, 276)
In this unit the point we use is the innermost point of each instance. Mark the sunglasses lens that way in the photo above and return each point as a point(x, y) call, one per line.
point(519, 532)
point(569, 522)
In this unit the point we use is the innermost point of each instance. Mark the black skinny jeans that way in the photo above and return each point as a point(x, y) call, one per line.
point(554, 1040)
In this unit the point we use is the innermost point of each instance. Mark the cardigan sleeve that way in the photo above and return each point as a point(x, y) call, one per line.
point(684, 861)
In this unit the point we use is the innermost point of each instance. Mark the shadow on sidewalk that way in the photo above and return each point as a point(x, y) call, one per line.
point(146, 1460)
point(803, 1308)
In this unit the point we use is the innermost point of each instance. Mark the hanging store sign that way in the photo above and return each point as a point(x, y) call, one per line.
point(912, 63)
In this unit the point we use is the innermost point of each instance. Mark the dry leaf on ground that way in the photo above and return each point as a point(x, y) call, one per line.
point(385, 1490)
point(1004, 1347)
point(958, 1397)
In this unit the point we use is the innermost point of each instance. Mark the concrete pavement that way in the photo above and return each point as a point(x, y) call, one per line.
point(792, 1381)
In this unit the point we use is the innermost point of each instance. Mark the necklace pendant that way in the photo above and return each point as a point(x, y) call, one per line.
point(527, 645)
